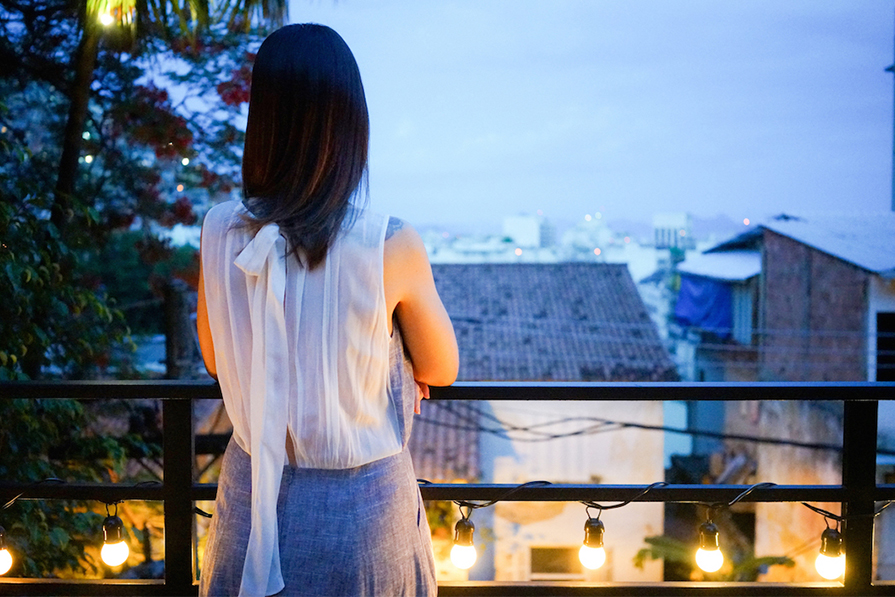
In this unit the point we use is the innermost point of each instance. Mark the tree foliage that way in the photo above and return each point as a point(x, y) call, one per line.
point(141, 118)
point(161, 140)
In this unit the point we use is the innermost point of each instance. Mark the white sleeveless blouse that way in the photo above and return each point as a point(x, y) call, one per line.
point(299, 354)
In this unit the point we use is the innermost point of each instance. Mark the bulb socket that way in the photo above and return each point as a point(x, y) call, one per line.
point(708, 536)
point(463, 532)
point(113, 529)
point(593, 533)
point(831, 543)
point(2, 538)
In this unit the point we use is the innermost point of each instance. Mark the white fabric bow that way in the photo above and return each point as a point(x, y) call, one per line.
point(263, 261)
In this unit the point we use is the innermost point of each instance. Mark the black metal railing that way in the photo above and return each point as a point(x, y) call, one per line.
point(858, 492)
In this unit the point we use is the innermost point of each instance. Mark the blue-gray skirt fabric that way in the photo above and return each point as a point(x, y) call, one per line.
point(360, 531)
point(353, 532)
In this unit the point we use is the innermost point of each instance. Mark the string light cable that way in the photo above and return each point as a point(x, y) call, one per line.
point(115, 550)
point(592, 555)
point(709, 556)
point(463, 553)
point(830, 562)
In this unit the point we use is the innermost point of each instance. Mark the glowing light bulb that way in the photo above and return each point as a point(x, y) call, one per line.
point(709, 560)
point(114, 554)
point(5, 556)
point(592, 555)
point(830, 568)
point(106, 19)
point(463, 554)
point(115, 550)
point(830, 562)
point(709, 557)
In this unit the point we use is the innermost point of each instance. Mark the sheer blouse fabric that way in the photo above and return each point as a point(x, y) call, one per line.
point(300, 354)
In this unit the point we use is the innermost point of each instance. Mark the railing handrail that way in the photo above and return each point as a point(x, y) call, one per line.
point(858, 491)
point(489, 390)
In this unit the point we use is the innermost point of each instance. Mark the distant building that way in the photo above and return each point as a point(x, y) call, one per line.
point(529, 232)
point(673, 231)
point(803, 299)
point(573, 322)
point(793, 299)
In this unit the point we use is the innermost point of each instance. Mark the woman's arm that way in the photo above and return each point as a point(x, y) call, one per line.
point(202, 327)
point(410, 294)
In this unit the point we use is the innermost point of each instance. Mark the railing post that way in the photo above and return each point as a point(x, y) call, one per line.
point(859, 478)
point(178, 483)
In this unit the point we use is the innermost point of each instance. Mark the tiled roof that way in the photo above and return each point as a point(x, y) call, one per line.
point(565, 322)
point(532, 322)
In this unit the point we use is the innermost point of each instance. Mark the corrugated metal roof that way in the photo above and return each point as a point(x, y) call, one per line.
point(729, 266)
point(865, 240)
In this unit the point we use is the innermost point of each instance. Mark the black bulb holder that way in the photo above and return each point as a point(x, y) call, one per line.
point(708, 536)
point(463, 532)
point(831, 543)
point(593, 533)
point(113, 529)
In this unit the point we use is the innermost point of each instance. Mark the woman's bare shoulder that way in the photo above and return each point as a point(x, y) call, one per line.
point(402, 241)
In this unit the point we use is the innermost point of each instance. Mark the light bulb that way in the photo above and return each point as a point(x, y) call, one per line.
point(106, 19)
point(115, 550)
point(830, 562)
point(463, 552)
point(709, 560)
point(463, 556)
point(830, 568)
point(114, 554)
point(709, 557)
point(5, 556)
point(592, 555)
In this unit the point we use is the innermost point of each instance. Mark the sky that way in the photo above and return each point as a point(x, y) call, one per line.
point(482, 109)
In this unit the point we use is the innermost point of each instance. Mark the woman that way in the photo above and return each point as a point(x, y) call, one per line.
point(323, 326)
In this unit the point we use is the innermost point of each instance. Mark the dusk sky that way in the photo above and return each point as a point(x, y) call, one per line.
point(483, 109)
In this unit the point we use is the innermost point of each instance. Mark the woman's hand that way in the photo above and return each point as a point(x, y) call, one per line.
point(422, 392)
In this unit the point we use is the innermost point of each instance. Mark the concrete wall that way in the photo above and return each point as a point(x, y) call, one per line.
point(783, 528)
point(627, 456)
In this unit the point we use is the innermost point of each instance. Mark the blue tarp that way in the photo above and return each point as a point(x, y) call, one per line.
point(706, 304)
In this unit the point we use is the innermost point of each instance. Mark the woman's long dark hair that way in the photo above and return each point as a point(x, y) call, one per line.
point(306, 138)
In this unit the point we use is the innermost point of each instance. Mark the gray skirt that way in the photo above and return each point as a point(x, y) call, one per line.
point(360, 531)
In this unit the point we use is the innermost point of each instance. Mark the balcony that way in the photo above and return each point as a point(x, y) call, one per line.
point(858, 493)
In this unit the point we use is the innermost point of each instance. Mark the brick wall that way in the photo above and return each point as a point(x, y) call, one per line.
point(813, 314)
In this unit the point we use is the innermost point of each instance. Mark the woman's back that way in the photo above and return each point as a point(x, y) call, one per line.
point(325, 367)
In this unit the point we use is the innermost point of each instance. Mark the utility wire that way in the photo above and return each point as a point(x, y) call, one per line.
point(469, 422)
